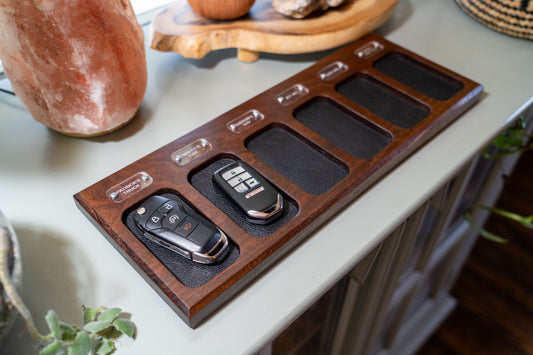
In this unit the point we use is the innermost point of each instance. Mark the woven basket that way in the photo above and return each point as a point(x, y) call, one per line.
point(512, 17)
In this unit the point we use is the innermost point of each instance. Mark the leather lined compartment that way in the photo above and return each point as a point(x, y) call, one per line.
point(420, 77)
point(300, 161)
point(190, 273)
point(202, 181)
point(383, 100)
point(349, 131)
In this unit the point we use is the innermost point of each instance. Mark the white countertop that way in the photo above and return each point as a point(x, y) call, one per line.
point(67, 262)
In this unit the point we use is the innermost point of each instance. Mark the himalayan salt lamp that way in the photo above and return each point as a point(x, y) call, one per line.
point(78, 66)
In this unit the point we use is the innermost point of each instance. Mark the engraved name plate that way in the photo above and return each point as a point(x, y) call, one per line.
point(332, 71)
point(292, 94)
point(245, 121)
point(369, 49)
point(129, 187)
point(191, 151)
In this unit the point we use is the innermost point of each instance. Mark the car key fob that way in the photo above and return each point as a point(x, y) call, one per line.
point(165, 222)
point(250, 191)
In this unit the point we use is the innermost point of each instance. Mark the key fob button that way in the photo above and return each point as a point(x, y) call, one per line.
point(238, 179)
point(188, 225)
point(252, 182)
point(233, 172)
point(241, 188)
point(168, 206)
point(172, 220)
point(154, 222)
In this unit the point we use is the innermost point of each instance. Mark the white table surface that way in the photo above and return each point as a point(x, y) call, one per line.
point(67, 262)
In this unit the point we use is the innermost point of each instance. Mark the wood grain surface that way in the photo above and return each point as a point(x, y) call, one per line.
point(179, 29)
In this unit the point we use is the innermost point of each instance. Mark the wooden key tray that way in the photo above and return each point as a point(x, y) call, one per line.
point(320, 137)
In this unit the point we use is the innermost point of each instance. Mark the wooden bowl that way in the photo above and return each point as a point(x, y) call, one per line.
point(221, 9)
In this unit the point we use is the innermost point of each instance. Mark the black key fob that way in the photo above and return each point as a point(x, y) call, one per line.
point(250, 191)
point(165, 222)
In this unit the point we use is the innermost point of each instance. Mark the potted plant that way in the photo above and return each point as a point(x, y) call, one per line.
point(102, 326)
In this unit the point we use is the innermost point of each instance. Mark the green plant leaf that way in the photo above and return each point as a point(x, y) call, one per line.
point(52, 349)
point(513, 140)
point(96, 327)
point(125, 326)
point(81, 345)
point(109, 315)
point(89, 314)
point(53, 324)
point(68, 331)
point(106, 346)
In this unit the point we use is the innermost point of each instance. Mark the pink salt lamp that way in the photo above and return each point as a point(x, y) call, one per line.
point(78, 66)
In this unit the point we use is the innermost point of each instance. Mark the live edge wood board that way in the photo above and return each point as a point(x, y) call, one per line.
point(352, 117)
point(178, 28)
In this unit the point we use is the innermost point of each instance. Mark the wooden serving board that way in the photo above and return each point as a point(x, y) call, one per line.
point(179, 29)
point(321, 137)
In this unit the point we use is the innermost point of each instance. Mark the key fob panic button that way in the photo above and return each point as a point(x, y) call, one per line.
point(187, 226)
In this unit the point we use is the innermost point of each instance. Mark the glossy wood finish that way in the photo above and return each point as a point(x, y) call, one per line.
point(256, 254)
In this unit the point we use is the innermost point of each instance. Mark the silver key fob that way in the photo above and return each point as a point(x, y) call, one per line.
point(250, 191)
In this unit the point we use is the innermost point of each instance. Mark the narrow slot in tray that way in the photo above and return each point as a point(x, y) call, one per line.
point(420, 77)
point(346, 130)
point(189, 273)
point(202, 181)
point(302, 162)
point(382, 100)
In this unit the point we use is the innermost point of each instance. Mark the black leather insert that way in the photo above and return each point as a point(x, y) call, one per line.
point(346, 130)
point(411, 73)
point(383, 101)
point(311, 169)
